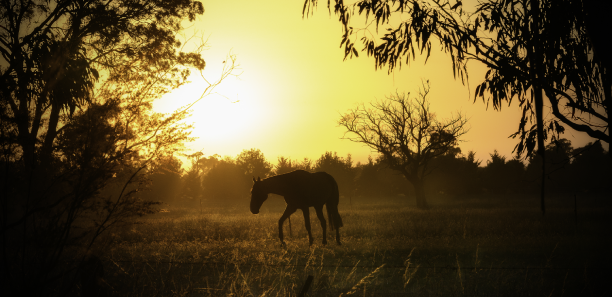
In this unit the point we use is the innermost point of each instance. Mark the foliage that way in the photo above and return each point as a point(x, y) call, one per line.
point(406, 133)
point(230, 179)
point(253, 163)
point(340, 168)
point(455, 175)
point(225, 181)
point(284, 165)
point(165, 179)
point(79, 137)
point(590, 169)
point(573, 170)
point(563, 57)
point(375, 179)
point(503, 177)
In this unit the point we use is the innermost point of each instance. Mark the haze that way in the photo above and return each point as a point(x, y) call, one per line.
point(294, 86)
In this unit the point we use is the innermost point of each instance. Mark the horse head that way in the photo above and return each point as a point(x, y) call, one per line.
point(258, 195)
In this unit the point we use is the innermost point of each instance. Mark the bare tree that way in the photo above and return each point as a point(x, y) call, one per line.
point(406, 133)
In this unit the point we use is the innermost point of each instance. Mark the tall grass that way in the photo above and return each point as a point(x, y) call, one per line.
point(389, 248)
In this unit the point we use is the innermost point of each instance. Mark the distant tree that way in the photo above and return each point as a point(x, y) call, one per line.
point(340, 168)
point(285, 165)
point(455, 174)
point(590, 170)
point(494, 173)
point(515, 176)
point(226, 181)
point(306, 164)
point(253, 163)
point(165, 180)
point(374, 179)
point(503, 177)
point(406, 133)
point(367, 181)
point(191, 188)
point(558, 162)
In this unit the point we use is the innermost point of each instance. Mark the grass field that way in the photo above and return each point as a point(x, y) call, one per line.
point(498, 247)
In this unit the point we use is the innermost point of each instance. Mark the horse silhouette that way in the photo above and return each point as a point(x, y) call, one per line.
point(301, 190)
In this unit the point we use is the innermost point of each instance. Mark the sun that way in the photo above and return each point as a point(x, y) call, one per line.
point(222, 118)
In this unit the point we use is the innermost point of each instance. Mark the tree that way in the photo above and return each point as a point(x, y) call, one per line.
point(374, 179)
point(191, 190)
point(406, 133)
point(455, 174)
point(366, 180)
point(563, 57)
point(590, 170)
point(501, 176)
point(530, 47)
point(165, 178)
point(226, 181)
point(340, 168)
point(253, 163)
point(55, 52)
point(79, 137)
point(285, 165)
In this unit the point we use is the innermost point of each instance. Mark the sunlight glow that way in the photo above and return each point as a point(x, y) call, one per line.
point(221, 118)
point(295, 84)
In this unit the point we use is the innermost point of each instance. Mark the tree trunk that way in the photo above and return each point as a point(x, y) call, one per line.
point(47, 147)
point(421, 199)
point(536, 60)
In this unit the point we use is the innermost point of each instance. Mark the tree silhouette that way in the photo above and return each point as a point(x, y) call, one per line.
point(455, 174)
point(226, 181)
point(590, 170)
point(166, 180)
point(563, 57)
point(79, 136)
point(253, 163)
point(555, 46)
point(340, 168)
point(284, 165)
point(406, 133)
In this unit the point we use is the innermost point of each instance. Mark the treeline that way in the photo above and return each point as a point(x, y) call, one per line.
point(583, 170)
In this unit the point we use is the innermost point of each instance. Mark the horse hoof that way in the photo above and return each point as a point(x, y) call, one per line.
point(339, 243)
point(283, 245)
point(324, 242)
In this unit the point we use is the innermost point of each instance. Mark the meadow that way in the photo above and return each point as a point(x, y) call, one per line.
point(493, 247)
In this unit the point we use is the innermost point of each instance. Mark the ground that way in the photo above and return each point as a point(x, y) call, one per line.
point(500, 246)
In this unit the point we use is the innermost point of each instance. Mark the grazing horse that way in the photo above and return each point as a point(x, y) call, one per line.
point(301, 190)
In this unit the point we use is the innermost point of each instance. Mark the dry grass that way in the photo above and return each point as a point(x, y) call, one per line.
point(389, 249)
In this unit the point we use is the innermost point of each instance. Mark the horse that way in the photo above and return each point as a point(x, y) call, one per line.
point(301, 190)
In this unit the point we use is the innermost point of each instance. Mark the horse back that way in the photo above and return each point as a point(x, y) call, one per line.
point(312, 188)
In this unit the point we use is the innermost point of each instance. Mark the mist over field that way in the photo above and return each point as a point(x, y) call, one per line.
point(491, 241)
point(492, 247)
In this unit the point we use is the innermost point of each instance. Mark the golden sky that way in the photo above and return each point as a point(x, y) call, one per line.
point(294, 86)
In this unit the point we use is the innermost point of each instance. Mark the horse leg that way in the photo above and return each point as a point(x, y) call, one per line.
point(319, 211)
point(338, 236)
point(288, 211)
point(306, 212)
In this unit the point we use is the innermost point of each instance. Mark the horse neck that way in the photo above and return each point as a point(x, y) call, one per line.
point(272, 185)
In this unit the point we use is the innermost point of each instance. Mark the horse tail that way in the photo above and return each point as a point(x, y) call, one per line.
point(335, 221)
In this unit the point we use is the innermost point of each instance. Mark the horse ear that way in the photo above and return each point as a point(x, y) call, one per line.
point(254, 179)
point(258, 178)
